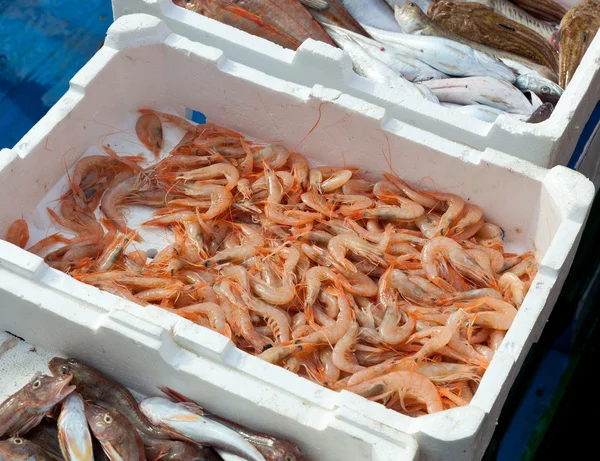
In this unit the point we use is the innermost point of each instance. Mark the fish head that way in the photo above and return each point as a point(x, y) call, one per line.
point(107, 425)
point(17, 448)
point(63, 367)
point(285, 451)
point(43, 392)
point(410, 17)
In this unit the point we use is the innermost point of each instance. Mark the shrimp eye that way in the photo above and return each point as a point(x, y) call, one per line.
point(289, 457)
point(18, 441)
point(37, 384)
point(108, 419)
point(545, 89)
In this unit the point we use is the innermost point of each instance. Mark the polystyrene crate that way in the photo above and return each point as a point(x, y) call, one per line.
point(143, 64)
point(567, 138)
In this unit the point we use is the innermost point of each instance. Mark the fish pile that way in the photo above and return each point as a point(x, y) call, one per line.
point(483, 58)
point(81, 414)
point(399, 294)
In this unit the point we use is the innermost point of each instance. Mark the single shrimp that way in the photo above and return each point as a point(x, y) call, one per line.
point(342, 352)
point(428, 224)
point(318, 203)
point(160, 294)
point(289, 218)
point(336, 180)
point(339, 245)
point(390, 331)
point(499, 315)
point(512, 288)
point(300, 169)
point(18, 233)
point(235, 254)
point(217, 170)
point(455, 206)
point(357, 187)
point(44, 245)
point(407, 211)
point(406, 384)
point(219, 203)
point(331, 371)
point(409, 290)
point(496, 258)
point(432, 338)
point(273, 155)
point(113, 198)
point(148, 129)
point(277, 320)
point(353, 204)
point(445, 373)
point(421, 198)
point(331, 335)
point(471, 216)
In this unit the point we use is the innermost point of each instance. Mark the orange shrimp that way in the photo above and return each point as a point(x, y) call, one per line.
point(149, 131)
point(18, 233)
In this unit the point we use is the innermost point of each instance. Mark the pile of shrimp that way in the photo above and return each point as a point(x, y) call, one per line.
point(398, 294)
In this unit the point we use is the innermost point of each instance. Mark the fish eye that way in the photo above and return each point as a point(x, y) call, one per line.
point(108, 419)
point(411, 4)
point(289, 457)
point(37, 384)
point(545, 89)
point(64, 370)
point(18, 441)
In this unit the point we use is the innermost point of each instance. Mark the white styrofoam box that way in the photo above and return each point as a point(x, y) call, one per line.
point(561, 140)
point(144, 64)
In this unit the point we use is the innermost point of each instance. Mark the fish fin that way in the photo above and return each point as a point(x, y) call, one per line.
point(318, 5)
point(250, 16)
point(174, 395)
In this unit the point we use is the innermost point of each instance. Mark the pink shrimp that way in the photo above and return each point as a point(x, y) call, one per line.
point(491, 313)
point(342, 352)
point(18, 233)
point(405, 383)
point(455, 206)
point(512, 288)
point(149, 131)
point(339, 245)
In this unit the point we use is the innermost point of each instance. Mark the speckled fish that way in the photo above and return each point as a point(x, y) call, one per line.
point(333, 12)
point(19, 449)
point(73, 433)
point(118, 437)
point(479, 23)
point(414, 21)
point(187, 425)
point(26, 408)
point(546, 90)
point(230, 13)
point(577, 30)
point(374, 13)
point(97, 387)
point(488, 91)
point(548, 10)
point(511, 11)
point(447, 56)
point(372, 68)
point(272, 448)
point(411, 68)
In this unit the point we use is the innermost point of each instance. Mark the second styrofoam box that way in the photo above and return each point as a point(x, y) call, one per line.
point(567, 138)
point(143, 64)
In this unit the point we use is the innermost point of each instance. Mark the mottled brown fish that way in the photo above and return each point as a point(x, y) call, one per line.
point(547, 10)
point(334, 12)
point(577, 30)
point(481, 24)
point(95, 386)
point(19, 449)
point(26, 408)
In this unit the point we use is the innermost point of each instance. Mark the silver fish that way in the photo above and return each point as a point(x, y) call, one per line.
point(374, 13)
point(488, 91)
point(372, 68)
point(188, 425)
point(447, 56)
point(73, 432)
point(411, 68)
point(423, 4)
point(545, 89)
point(484, 113)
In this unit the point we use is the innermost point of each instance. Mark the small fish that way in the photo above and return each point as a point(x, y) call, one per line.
point(577, 30)
point(372, 68)
point(548, 10)
point(73, 432)
point(149, 131)
point(478, 23)
point(414, 21)
point(411, 68)
point(488, 91)
point(118, 437)
point(187, 425)
point(176, 450)
point(513, 12)
point(546, 90)
point(233, 15)
point(447, 56)
point(374, 13)
point(19, 449)
point(97, 387)
point(542, 113)
point(26, 408)
point(333, 12)
point(272, 448)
